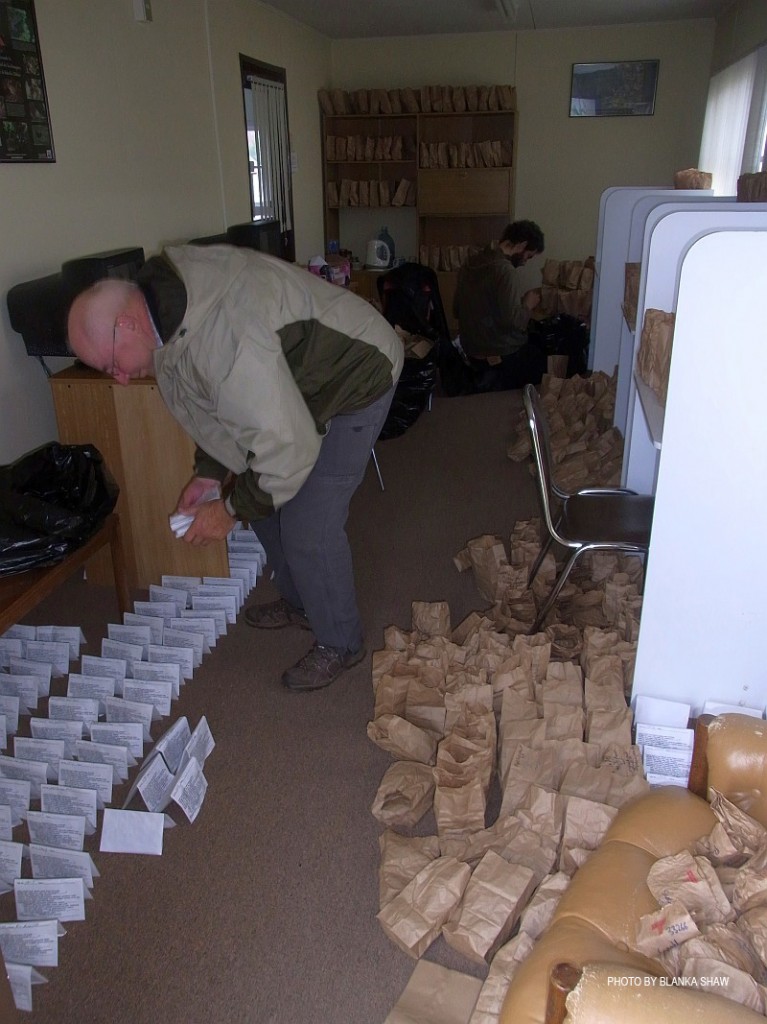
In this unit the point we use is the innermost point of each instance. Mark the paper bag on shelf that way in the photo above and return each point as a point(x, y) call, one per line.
point(325, 101)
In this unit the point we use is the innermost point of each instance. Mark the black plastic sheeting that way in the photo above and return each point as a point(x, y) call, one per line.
point(51, 501)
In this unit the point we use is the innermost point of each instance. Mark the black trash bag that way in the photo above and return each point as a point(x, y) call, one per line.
point(411, 396)
point(410, 300)
point(562, 335)
point(51, 501)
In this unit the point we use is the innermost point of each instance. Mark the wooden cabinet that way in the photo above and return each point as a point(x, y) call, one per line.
point(458, 174)
point(151, 458)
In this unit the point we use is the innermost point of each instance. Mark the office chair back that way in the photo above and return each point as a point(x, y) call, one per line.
point(548, 491)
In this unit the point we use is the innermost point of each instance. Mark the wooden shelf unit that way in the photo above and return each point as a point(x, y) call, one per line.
point(455, 205)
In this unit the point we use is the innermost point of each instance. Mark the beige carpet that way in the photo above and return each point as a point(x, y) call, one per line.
point(263, 911)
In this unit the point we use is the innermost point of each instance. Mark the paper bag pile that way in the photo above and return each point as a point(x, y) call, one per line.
point(475, 715)
point(654, 356)
point(428, 99)
point(586, 448)
point(386, 192)
point(711, 925)
point(567, 287)
point(604, 590)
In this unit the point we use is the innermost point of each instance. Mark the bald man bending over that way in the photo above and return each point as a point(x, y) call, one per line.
point(283, 381)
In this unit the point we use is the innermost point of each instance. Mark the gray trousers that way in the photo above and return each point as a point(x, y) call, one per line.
point(305, 540)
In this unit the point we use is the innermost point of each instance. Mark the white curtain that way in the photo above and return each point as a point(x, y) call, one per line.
point(724, 131)
point(272, 149)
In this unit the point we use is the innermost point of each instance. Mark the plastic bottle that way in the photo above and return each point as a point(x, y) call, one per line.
point(384, 236)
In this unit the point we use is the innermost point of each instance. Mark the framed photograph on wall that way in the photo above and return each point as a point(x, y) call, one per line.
point(25, 124)
point(614, 88)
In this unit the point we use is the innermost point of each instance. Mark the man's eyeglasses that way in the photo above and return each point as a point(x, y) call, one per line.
point(113, 368)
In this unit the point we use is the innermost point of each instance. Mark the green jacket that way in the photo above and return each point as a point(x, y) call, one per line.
point(258, 356)
point(488, 305)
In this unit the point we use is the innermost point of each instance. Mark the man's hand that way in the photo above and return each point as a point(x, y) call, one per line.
point(198, 490)
point(532, 299)
point(211, 523)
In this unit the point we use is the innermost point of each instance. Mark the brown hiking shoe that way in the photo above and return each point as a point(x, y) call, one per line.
point(275, 615)
point(320, 667)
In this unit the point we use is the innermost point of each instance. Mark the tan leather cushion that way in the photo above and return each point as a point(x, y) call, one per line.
point(600, 999)
point(663, 822)
point(737, 762)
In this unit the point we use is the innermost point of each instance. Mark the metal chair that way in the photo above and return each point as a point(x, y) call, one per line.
point(593, 519)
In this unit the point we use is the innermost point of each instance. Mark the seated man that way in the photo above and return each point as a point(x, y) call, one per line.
point(493, 314)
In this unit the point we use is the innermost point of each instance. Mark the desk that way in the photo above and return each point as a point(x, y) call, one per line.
point(21, 593)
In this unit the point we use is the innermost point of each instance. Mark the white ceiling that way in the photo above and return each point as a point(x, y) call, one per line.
point(366, 19)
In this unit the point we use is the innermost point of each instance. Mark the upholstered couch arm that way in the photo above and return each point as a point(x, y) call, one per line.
point(736, 754)
point(608, 993)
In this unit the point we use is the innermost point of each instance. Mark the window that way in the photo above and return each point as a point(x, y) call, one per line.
point(264, 91)
point(735, 129)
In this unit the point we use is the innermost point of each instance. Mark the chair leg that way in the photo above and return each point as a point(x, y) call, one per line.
point(548, 603)
point(539, 561)
point(377, 467)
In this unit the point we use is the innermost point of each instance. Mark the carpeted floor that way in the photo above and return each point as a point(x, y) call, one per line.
point(263, 911)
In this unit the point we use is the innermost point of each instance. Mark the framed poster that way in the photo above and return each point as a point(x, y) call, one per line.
point(614, 89)
point(25, 124)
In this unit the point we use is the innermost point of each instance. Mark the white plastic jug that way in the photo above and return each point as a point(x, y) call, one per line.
point(378, 255)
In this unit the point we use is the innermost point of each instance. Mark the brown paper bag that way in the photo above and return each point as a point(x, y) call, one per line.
point(586, 823)
point(415, 917)
point(499, 977)
point(436, 995)
point(607, 727)
point(669, 926)
point(693, 882)
point(405, 794)
point(431, 617)
point(403, 739)
point(602, 785)
point(537, 915)
point(490, 908)
point(459, 809)
point(402, 857)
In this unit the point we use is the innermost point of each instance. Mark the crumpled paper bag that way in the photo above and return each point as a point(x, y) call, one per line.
point(431, 617)
point(414, 918)
point(693, 882)
point(669, 926)
point(485, 555)
point(537, 915)
point(499, 977)
point(402, 857)
point(602, 785)
point(586, 823)
point(459, 809)
point(405, 794)
point(490, 908)
point(402, 739)
point(736, 985)
point(436, 995)
point(725, 942)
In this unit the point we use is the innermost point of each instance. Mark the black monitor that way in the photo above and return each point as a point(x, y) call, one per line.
point(38, 309)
